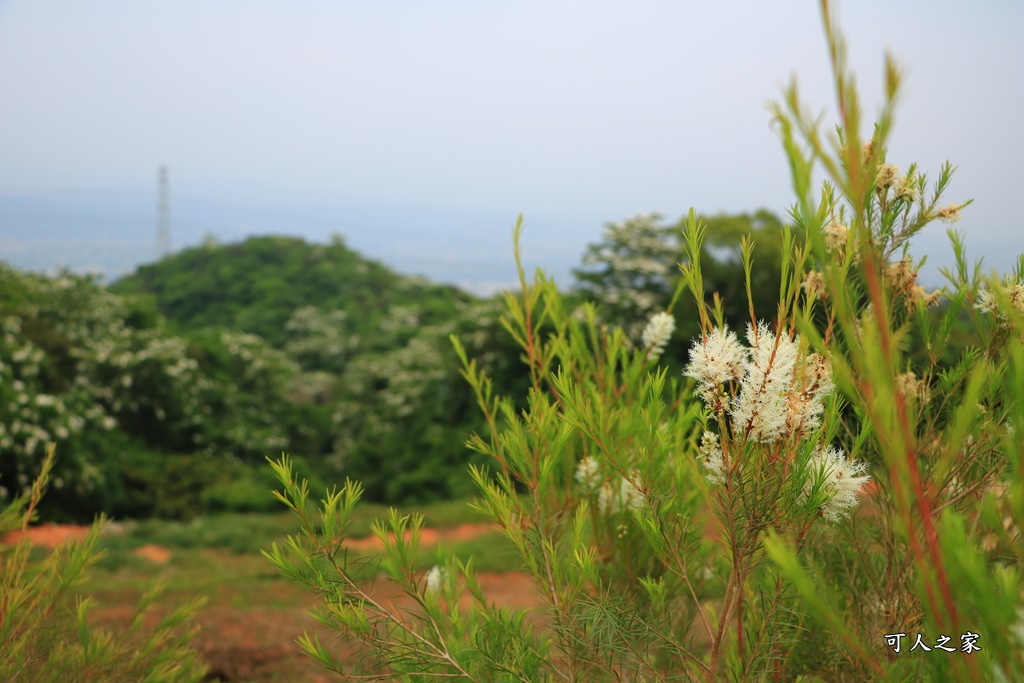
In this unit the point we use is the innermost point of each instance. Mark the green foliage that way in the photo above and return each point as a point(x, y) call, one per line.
point(265, 286)
point(406, 412)
point(830, 486)
point(629, 273)
point(607, 402)
point(46, 636)
point(940, 430)
point(129, 401)
point(362, 379)
point(630, 270)
point(366, 384)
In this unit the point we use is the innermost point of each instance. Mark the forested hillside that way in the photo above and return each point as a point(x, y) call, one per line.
point(166, 392)
point(260, 285)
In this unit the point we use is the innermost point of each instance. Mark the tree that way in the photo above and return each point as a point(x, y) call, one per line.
point(633, 271)
point(630, 271)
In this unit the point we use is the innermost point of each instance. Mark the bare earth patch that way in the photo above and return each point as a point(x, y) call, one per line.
point(243, 641)
point(428, 536)
point(157, 554)
point(47, 535)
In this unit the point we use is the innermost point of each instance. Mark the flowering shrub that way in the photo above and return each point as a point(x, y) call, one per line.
point(629, 270)
point(404, 411)
point(99, 374)
point(805, 502)
point(629, 273)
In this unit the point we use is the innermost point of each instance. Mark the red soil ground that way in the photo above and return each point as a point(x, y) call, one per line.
point(428, 536)
point(48, 535)
point(241, 642)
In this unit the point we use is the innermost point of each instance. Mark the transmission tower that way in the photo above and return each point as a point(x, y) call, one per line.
point(163, 220)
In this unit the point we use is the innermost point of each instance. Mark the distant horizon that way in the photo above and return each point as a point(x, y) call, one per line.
point(422, 130)
point(482, 266)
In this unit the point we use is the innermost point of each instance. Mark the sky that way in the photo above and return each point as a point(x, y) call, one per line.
point(419, 130)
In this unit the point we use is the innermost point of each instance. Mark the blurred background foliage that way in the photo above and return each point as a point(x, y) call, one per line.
point(166, 390)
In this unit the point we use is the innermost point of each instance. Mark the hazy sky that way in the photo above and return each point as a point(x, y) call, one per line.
point(420, 129)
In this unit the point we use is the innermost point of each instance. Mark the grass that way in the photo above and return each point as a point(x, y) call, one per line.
point(213, 551)
point(250, 532)
point(252, 614)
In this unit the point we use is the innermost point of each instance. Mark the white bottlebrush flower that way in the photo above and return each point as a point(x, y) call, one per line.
point(887, 175)
point(614, 499)
point(587, 474)
point(762, 407)
point(1012, 288)
point(608, 500)
point(1017, 628)
point(1015, 290)
point(950, 213)
point(814, 285)
point(836, 236)
point(987, 302)
point(715, 360)
point(910, 387)
point(657, 333)
point(811, 386)
point(712, 457)
point(842, 480)
point(435, 577)
point(629, 494)
point(906, 188)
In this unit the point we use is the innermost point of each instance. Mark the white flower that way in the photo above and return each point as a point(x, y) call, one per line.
point(762, 407)
point(807, 398)
point(779, 393)
point(987, 302)
point(841, 479)
point(715, 360)
point(657, 333)
point(887, 174)
point(836, 236)
point(950, 213)
point(814, 285)
point(712, 457)
point(906, 188)
point(629, 494)
point(1017, 628)
point(607, 503)
point(1012, 287)
point(434, 579)
point(626, 496)
point(587, 474)
point(910, 387)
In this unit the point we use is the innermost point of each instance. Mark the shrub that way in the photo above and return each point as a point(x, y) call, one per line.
point(45, 634)
point(101, 374)
point(817, 502)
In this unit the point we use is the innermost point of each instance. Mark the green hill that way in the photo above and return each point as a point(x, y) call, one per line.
point(256, 286)
point(166, 391)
